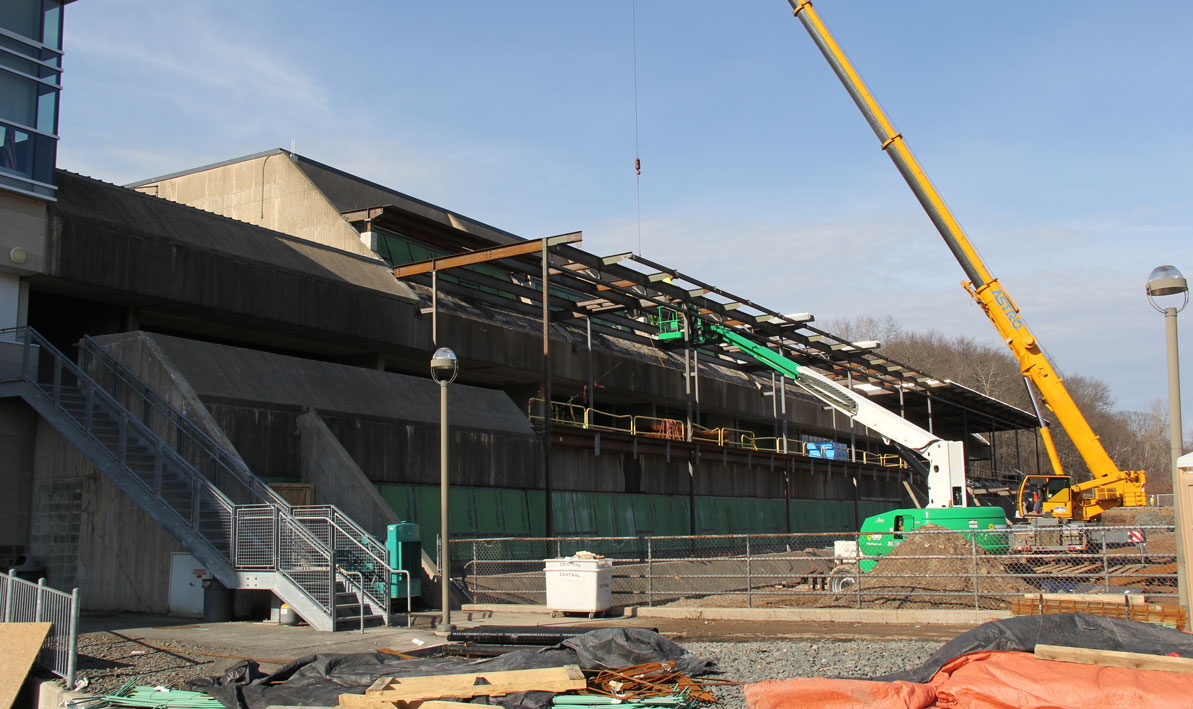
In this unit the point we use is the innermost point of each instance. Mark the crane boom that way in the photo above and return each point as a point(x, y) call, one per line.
point(1111, 487)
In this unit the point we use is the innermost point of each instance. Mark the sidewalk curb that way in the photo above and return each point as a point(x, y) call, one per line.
point(902, 616)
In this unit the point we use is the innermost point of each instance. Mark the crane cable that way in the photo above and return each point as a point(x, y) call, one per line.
point(637, 159)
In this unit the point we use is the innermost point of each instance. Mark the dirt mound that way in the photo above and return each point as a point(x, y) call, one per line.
point(909, 576)
point(1142, 516)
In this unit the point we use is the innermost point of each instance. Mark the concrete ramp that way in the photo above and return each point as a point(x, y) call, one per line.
point(234, 373)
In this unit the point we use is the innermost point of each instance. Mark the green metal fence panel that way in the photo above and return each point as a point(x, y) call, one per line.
point(536, 504)
point(490, 512)
point(487, 512)
point(515, 512)
point(645, 517)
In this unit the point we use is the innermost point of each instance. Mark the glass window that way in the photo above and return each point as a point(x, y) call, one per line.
point(25, 66)
point(18, 99)
point(52, 29)
point(22, 17)
point(47, 109)
point(16, 151)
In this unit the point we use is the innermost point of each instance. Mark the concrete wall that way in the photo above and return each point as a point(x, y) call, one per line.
point(22, 225)
point(93, 536)
point(18, 427)
point(269, 191)
point(337, 479)
point(141, 354)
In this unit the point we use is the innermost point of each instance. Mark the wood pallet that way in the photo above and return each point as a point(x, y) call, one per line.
point(411, 692)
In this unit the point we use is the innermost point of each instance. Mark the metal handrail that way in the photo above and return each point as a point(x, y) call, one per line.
point(673, 429)
point(130, 426)
point(254, 485)
point(88, 382)
point(183, 424)
point(358, 532)
point(387, 569)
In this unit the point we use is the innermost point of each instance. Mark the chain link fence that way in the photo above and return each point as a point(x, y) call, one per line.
point(989, 569)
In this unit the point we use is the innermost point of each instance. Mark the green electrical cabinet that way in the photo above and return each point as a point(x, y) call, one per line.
point(405, 553)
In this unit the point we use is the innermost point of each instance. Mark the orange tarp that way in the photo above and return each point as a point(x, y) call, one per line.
point(988, 680)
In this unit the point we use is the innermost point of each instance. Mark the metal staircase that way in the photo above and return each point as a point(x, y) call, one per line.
point(323, 565)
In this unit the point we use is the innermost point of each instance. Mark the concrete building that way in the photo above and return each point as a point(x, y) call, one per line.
point(198, 359)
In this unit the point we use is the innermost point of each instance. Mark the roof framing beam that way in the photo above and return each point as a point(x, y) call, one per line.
point(483, 255)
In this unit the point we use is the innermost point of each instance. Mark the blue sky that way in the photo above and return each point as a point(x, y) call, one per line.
point(1058, 132)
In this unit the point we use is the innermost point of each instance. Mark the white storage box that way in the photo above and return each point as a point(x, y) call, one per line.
point(579, 585)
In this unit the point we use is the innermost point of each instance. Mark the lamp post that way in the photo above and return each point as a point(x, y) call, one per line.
point(444, 368)
point(1166, 281)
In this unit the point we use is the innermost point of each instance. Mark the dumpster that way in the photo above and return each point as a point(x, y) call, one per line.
point(579, 584)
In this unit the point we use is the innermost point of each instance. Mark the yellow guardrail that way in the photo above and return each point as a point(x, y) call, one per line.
point(569, 413)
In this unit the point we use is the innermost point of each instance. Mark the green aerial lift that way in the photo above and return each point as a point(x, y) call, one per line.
point(942, 462)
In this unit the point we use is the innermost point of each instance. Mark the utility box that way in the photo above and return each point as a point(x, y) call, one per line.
point(579, 585)
point(405, 552)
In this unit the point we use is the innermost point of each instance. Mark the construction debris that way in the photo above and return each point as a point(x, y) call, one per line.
point(519, 678)
point(654, 680)
point(131, 695)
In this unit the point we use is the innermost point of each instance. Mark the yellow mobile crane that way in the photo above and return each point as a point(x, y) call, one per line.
point(1109, 487)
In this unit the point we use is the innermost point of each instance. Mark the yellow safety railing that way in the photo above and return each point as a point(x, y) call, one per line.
point(568, 413)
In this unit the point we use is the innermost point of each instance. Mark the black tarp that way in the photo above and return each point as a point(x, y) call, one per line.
point(1022, 634)
point(319, 680)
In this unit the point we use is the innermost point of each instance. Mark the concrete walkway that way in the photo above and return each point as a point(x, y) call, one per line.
point(272, 644)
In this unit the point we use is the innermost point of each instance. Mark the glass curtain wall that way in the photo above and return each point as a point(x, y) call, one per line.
point(30, 82)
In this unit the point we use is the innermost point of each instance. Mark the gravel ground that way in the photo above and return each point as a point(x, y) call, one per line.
point(783, 659)
point(108, 659)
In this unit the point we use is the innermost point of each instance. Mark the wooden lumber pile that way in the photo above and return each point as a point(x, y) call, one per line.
point(412, 692)
point(1110, 605)
point(656, 684)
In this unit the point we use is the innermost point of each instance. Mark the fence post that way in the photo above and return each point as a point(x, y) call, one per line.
point(475, 571)
point(973, 546)
point(73, 646)
point(41, 588)
point(331, 592)
point(649, 573)
point(749, 577)
point(1105, 563)
point(8, 596)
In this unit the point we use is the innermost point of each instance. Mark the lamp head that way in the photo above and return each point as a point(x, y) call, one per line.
point(444, 365)
point(1166, 280)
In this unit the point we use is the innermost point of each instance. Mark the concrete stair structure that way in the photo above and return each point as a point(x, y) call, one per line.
point(315, 559)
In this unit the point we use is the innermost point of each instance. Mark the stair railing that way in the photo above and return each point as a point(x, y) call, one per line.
point(210, 458)
point(356, 550)
point(173, 480)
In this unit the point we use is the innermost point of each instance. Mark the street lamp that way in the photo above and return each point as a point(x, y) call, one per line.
point(444, 368)
point(1167, 281)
